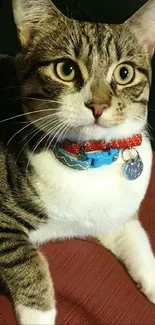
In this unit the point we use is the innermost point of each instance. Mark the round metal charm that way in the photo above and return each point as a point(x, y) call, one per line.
point(133, 168)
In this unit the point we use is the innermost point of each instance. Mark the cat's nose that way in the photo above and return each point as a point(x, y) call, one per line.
point(96, 108)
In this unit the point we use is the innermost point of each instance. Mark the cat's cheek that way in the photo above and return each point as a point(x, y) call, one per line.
point(29, 316)
point(111, 119)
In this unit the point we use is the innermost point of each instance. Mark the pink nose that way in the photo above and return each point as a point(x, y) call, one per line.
point(96, 108)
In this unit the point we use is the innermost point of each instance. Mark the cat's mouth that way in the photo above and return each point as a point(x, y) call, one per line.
point(99, 124)
point(105, 124)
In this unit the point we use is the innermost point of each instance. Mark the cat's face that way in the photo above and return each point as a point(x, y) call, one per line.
point(80, 80)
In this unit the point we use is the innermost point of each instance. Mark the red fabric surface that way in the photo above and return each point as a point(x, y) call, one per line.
point(92, 287)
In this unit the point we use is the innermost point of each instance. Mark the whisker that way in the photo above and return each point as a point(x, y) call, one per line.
point(147, 127)
point(64, 126)
point(38, 143)
point(62, 134)
point(12, 98)
point(49, 124)
point(25, 114)
point(57, 111)
point(43, 124)
point(9, 87)
point(23, 128)
point(43, 100)
point(33, 133)
point(38, 125)
point(26, 126)
point(151, 109)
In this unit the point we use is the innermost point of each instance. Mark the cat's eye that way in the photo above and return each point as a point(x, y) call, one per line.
point(66, 70)
point(124, 74)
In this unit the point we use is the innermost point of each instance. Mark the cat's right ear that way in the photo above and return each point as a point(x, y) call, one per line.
point(29, 15)
point(142, 24)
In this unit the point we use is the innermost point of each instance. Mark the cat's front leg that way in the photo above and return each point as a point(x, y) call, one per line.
point(131, 246)
point(26, 274)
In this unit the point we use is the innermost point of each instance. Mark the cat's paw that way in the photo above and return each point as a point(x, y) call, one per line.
point(148, 291)
point(150, 294)
point(146, 284)
point(31, 316)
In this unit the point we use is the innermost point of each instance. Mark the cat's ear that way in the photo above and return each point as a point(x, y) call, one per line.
point(142, 24)
point(28, 14)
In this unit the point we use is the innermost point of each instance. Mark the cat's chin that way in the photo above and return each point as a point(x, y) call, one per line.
point(97, 132)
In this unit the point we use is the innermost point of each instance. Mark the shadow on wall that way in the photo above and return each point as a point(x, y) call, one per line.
point(8, 35)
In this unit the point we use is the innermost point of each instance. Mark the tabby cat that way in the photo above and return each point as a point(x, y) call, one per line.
point(73, 84)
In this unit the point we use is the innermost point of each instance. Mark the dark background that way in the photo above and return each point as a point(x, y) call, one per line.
point(107, 11)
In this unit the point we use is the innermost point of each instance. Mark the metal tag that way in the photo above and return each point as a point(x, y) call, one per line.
point(133, 168)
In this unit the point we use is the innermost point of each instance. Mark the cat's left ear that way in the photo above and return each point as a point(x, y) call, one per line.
point(142, 24)
point(30, 14)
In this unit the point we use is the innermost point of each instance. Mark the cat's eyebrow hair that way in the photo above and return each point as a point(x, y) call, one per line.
point(109, 39)
point(119, 53)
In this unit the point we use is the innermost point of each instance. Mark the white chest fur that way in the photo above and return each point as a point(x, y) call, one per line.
point(91, 202)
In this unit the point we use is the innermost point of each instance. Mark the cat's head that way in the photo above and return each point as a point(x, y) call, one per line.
point(83, 80)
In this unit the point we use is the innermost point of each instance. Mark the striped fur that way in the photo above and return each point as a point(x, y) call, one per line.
point(31, 97)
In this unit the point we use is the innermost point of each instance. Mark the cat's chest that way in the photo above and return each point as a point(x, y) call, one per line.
point(80, 203)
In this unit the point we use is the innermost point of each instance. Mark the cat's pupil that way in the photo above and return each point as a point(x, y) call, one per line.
point(124, 73)
point(67, 69)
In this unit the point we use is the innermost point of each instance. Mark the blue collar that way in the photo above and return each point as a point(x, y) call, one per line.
point(87, 159)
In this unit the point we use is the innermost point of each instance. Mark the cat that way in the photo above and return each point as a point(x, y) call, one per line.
point(72, 85)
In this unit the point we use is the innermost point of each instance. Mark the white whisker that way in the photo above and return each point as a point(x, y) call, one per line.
point(34, 133)
point(26, 126)
point(9, 87)
point(29, 113)
point(64, 129)
point(38, 143)
point(43, 100)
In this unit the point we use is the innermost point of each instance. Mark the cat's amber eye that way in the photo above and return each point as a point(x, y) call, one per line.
point(124, 74)
point(66, 70)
